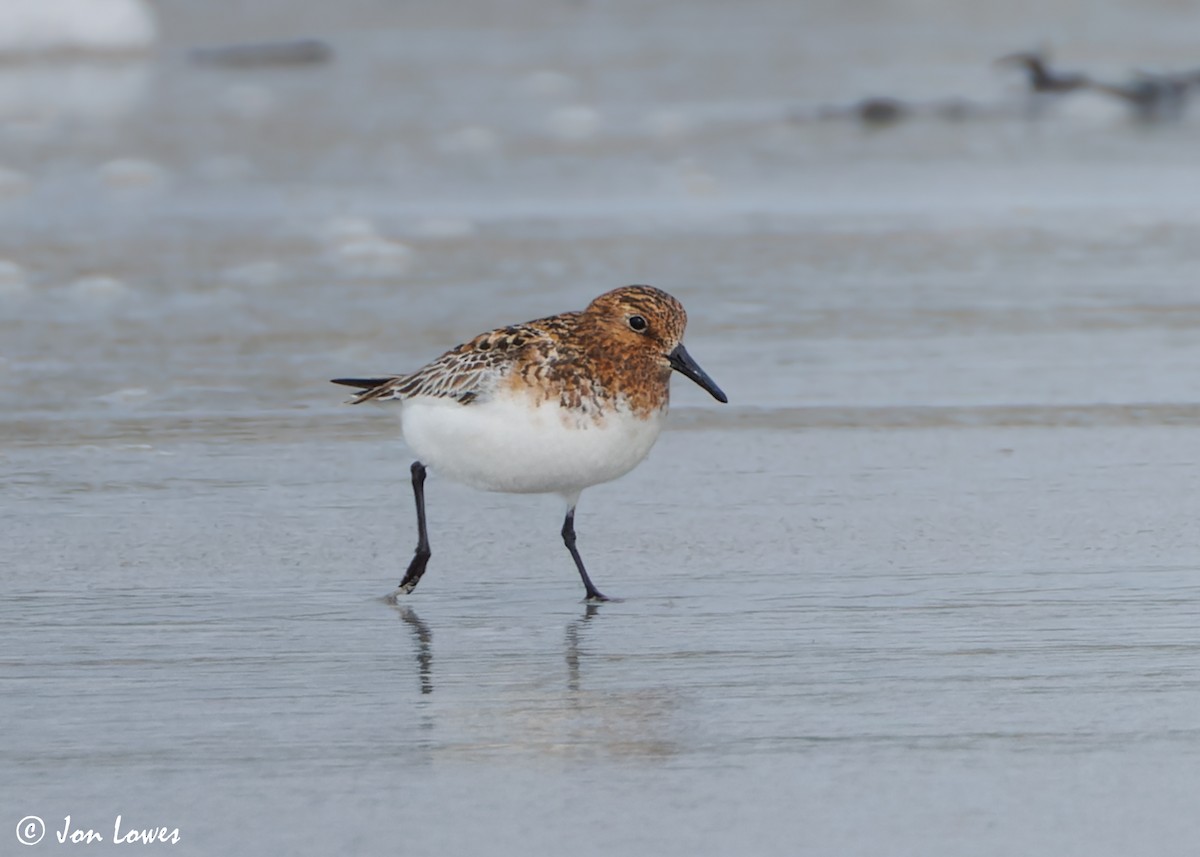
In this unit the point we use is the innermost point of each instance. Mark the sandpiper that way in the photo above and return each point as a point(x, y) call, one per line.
point(553, 405)
point(1042, 78)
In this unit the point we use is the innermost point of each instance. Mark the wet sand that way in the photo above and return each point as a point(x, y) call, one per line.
point(902, 631)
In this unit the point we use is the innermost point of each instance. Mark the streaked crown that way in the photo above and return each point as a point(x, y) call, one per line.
point(640, 314)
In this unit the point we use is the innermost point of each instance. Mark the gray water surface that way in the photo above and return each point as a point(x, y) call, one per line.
point(927, 586)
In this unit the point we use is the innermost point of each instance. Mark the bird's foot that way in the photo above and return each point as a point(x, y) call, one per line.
point(597, 597)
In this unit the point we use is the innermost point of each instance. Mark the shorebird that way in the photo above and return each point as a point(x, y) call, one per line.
point(1045, 85)
point(1152, 97)
point(553, 405)
point(1041, 78)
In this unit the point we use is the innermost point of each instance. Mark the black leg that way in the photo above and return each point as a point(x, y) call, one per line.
point(568, 534)
point(421, 557)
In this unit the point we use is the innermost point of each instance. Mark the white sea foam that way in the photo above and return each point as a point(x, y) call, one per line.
point(38, 27)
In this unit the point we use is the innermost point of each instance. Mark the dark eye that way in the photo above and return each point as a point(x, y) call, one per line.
point(637, 323)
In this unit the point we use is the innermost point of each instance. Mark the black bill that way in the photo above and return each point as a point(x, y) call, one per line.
point(683, 363)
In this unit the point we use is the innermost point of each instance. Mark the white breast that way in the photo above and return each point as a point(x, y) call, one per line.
point(510, 444)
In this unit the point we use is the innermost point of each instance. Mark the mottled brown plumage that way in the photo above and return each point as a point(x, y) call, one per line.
point(581, 359)
point(553, 405)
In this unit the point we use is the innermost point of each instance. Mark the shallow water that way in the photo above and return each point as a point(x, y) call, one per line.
point(928, 585)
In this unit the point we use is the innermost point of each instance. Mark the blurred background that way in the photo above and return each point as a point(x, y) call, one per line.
point(926, 586)
point(187, 227)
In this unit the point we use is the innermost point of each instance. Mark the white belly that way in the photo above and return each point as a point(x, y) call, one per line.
point(505, 444)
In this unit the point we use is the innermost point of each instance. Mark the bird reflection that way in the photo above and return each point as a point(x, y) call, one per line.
point(572, 651)
point(424, 639)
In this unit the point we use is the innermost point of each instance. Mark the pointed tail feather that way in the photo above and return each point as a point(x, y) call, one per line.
point(369, 388)
point(361, 383)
